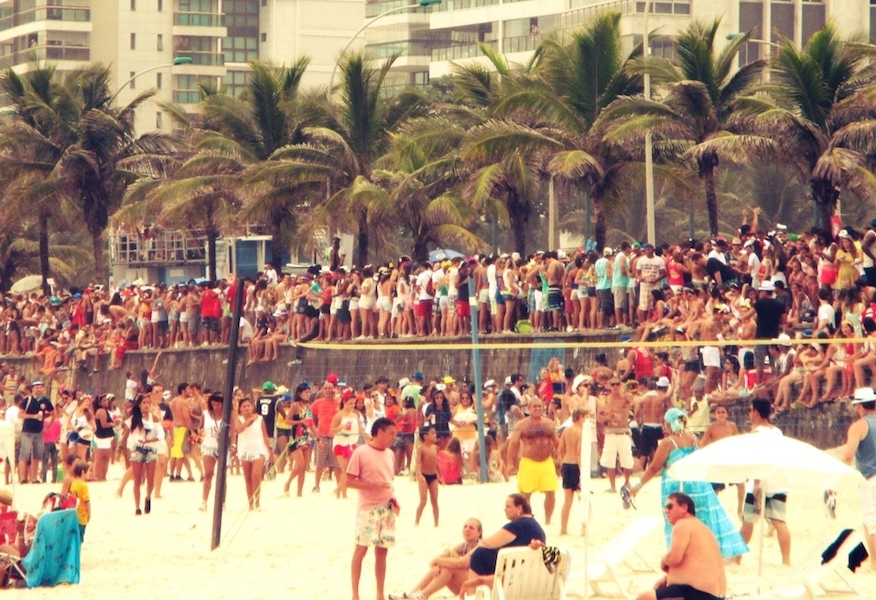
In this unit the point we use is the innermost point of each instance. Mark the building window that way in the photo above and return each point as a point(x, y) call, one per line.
point(264, 37)
point(133, 80)
point(158, 120)
point(133, 41)
point(159, 43)
point(158, 80)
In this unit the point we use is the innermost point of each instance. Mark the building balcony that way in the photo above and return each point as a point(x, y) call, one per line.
point(198, 19)
point(205, 59)
point(157, 248)
point(459, 51)
point(521, 43)
point(186, 96)
point(75, 14)
point(451, 5)
point(373, 9)
point(399, 49)
point(55, 52)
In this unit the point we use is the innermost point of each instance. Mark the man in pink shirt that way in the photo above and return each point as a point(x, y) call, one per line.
point(370, 471)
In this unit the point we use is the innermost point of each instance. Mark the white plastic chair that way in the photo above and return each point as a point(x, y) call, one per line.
point(522, 575)
point(621, 552)
point(817, 576)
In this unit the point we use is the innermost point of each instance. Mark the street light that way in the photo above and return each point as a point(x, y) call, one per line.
point(369, 23)
point(649, 150)
point(180, 60)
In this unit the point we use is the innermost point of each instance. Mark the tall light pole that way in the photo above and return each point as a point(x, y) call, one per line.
point(650, 220)
point(369, 23)
point(180, 60)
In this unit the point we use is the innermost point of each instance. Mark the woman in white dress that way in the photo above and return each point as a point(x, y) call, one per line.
point(253, 449)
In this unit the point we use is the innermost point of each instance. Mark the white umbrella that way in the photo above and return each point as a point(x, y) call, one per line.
point(783, 461)
point(30, 283)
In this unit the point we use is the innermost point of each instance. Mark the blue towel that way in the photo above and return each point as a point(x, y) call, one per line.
point(54, 556)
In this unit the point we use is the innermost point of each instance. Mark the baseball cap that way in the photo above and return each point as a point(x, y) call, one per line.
point(448, 380)
point(418, 376)
point(166, 395)
point(489, 383)
point(35, 383)
point(404, 381)
point(268, 386)
point(332, 379)
point(607, 252)
point(663, 382)
point(767, 286)
point(508, 380)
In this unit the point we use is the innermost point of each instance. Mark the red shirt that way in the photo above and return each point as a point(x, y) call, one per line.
point(210, 305)
point(323, 412)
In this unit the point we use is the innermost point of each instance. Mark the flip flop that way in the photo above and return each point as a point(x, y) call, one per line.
point(627, 497)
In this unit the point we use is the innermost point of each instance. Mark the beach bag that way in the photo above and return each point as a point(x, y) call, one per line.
point(523, 326)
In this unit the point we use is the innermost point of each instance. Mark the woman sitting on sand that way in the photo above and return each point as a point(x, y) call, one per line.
point(450, 568)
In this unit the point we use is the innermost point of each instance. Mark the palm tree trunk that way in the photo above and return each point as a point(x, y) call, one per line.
point(420, 251)
point(597, 198)
point(44, 250)
point(97, 249)
point(276, 246)
point(711, 201)
point(212, 236)
point(825, 196)
point(362, 240)
point(518, 213)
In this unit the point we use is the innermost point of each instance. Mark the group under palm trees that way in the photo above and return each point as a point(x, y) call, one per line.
point(410, 171)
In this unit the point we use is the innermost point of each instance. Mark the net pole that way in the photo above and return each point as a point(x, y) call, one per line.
point(225, 431)
point(478, 391)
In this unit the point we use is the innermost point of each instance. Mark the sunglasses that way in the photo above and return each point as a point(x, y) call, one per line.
point(669, 506)
point(614, 384)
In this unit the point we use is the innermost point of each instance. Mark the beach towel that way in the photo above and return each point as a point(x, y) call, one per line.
point(54, 555)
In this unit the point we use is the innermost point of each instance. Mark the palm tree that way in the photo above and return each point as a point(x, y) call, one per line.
point(703, 87)
point(817, 114)
point(556, 112)
point(252, 128)
point(349, 138)
point(417, 192)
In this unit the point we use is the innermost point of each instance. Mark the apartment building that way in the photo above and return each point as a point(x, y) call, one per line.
point(430, 40)
point(141, 40)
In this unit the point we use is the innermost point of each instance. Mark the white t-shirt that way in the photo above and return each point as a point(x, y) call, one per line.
point(246, 329)
point(753, 268)
point(438, 279)
point(423, 280)
point(649, 268)
point(826, 314)
point(491, 280)
point(768, 489)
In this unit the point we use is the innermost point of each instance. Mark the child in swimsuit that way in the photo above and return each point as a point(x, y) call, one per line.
point(428, 475)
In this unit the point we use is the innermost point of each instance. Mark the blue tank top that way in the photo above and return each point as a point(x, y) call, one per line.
point(617, 279)
point(865, 457)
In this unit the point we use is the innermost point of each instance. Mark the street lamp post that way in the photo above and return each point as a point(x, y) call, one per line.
point(650, 220)
point(180, 60)
point(369, 23)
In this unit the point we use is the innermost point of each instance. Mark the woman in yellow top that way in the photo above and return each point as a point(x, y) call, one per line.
point(847, 255)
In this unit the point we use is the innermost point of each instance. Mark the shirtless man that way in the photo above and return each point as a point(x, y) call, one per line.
point(537, 439)
point(182, 420)
point(570, 457)
point(693, 565)
point(554, 271)
point(618, 442)
point(532, 284)
point(648, 413)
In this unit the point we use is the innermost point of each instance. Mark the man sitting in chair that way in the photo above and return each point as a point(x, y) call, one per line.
point(693, 565)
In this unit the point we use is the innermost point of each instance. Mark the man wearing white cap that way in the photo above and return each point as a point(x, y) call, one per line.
point(861, 446)
point(770, 318)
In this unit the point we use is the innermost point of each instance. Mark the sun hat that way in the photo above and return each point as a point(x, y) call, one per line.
point(663, 382)
point(607, 252)
point(448, 380)
point(403, 382)
point(864, 394)
point(489, 383)
point(576, 383)
point(767, 286)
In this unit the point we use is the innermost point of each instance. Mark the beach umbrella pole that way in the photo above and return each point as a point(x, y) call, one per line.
point(224, 431)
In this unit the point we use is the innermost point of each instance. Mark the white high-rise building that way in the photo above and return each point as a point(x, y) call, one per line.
point(219, 36)
point(429, 40)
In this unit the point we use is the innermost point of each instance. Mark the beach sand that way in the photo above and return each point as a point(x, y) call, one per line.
point(301, 547)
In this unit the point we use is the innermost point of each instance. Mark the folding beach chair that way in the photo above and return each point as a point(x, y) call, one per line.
point(621, 552)
point(521, 574)
point(828, 570)
point(10, 565)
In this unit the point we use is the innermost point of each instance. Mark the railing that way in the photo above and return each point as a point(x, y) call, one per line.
point(186, 96)
point(460, 51)
point(450, 5)
point(46, 13)
point(574, 18)
point(399, 49)
point(198, 19)
point(372, 9)
point(210, 59)
point(49, 52)
point(521, 43)
point(157, 247)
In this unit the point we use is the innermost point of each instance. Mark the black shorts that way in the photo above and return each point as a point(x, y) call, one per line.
point(650, 436)
point(692, 366)
point(210, 323)
point(683, 592)
point(343, 315)
point(571, 477)
point(310, 312)
point(605, 301)
point(870, 275)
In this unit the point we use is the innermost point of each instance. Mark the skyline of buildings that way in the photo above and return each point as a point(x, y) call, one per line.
point(139, 39)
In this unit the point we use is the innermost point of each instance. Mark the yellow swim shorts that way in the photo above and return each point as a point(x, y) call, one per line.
point(179, 436)
point(533, 476)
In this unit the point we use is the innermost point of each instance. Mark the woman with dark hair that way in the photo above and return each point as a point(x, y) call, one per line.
point(346, 427)
point(211, 425)
point(299, 437)
point(146, 433)
point(104, 435)
point(407, 427)
point(253, 448)
point(521, 530)
point(439, 415)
